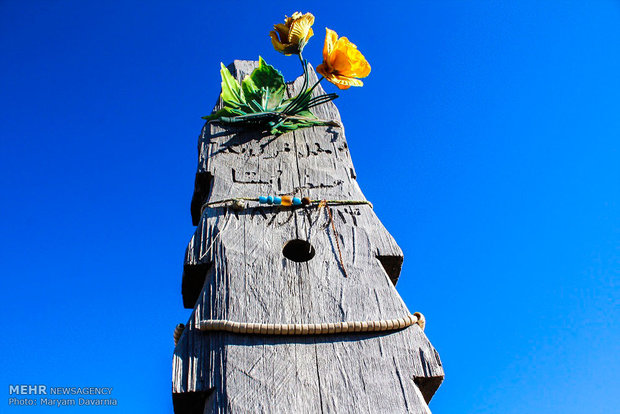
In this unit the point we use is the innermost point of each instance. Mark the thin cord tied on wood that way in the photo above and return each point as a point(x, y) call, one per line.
point(323, 204)
point(382, 325)
point(238, 203)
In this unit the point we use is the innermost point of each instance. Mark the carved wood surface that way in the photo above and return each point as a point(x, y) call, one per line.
point(236, 258)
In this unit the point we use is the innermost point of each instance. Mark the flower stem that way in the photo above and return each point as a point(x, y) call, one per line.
point(301, 59)
point(317, 82)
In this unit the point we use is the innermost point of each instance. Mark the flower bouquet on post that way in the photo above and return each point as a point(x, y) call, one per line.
point(259, 100)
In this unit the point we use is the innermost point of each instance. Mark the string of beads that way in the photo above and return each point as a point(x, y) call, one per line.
point(237, 203)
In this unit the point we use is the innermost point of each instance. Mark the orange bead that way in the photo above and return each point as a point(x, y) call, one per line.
point(287, 200)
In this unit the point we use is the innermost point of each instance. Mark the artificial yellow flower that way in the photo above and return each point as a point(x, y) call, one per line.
point(342, 62)
point(293, 34)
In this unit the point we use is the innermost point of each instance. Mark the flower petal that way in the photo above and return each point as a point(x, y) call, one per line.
point(339, 62)
point(342, 62)
point(300, 28)
point(344, 82)
point(330, 39)
point(277, 45)
point(349, 61)
point(293, 34)
point(359, 65)
point(323, 70)
point(332, 78)
point(283, 31)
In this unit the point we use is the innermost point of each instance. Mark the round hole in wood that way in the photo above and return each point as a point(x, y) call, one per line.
point(298, 250)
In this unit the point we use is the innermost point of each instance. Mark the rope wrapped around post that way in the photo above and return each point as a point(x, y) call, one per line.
point(312, 328)
point(178, 331)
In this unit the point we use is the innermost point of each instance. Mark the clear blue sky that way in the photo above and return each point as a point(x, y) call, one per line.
point(486, 136)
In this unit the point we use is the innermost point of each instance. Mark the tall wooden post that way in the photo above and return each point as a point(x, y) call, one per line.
point(316, 326)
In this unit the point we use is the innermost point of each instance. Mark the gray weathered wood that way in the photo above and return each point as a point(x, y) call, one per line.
point(247, 279)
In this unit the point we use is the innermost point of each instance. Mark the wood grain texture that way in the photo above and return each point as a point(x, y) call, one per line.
point(247, 279)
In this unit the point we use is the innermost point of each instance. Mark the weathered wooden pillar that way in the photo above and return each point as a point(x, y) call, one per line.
point(237, 273)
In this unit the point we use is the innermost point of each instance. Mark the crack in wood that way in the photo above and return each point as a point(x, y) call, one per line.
point(341, 216)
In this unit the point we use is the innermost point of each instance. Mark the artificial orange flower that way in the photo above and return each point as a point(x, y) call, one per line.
point(291, 37)
point(342, 62)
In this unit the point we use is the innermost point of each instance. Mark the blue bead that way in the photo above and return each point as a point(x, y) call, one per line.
point(270, 200)
point(277, 200)
point(296, 201)
point(262, 200)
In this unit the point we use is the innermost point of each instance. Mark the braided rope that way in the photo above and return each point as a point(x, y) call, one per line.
point(312, 328)
point(178, 331)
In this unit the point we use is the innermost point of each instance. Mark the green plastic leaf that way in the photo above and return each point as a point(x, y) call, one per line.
point(250, 90)
point(258, 101)
point(266, 79)
point(226, 111)
point(231, 91)
point(306, 114)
